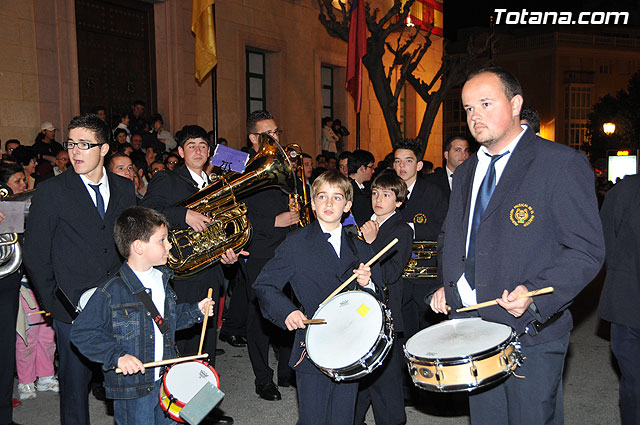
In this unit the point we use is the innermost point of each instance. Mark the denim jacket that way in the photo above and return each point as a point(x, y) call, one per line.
point(115, 322)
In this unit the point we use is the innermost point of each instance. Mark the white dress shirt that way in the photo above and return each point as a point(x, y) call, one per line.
point(468, 295)
point(201, 180)
point(104, 189)
point(152, 279)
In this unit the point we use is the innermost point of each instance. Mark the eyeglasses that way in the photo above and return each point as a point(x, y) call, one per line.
point(83, 146)
point(272, 133)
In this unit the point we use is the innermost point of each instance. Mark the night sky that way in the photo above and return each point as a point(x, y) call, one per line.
point(478, 13)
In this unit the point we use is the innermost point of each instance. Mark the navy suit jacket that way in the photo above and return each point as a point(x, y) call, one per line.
point(361, 207)
point(309, 263)
point(394, 261)
point(439, 178)
point(621, 225)
point(541, 228)
point(166, 189)
point(426, 209)
point(67, 244)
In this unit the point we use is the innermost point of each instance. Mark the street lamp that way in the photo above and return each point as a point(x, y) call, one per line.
point(609, 128)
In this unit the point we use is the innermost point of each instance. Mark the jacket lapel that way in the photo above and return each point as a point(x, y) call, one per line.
point(467, 185)
point(519, 162)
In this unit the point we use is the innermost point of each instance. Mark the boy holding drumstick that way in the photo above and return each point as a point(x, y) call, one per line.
point(333, 257)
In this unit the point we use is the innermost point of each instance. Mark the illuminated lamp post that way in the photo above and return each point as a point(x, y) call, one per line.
point(609, 128)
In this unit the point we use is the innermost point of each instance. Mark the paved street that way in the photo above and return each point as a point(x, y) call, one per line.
point(590, 386)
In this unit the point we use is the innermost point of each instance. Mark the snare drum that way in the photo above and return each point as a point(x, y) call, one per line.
point(462, 355)
point(356, 338)
point(181, 382)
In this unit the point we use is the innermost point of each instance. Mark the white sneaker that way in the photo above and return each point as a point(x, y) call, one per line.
point(48, 383)
point(26, 391)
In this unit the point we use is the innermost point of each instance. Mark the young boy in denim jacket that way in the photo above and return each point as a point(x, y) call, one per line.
point(116, 329)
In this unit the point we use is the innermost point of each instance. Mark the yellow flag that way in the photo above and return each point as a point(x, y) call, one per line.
point(204, 31)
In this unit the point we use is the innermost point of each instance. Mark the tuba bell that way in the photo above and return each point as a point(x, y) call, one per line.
point(193, 251)
point(421, 250)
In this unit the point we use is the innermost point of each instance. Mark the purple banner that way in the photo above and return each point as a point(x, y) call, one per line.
point(229, 159)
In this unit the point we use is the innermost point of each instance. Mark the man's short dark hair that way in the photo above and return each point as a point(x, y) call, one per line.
point(123, 146)
point(389, 180)
point(136, 223)
point(99, 108)
point(109, 161)
point(255, 117)
point(156, 117)
point(11, 141)
point(447, 144)
point(92, 123)
point(138, 102)
point(117, 132)
point(531, 117)
point(24, 154)
point(306, 155)
point(412, 145)
point(321, 155)
point(192, 132)
point(343, 155)
point(509, 81)
point(358, 158)
point(325, 120)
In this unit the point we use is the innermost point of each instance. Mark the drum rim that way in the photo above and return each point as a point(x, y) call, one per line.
point(164, 378)
point(458, 388)
point(480, 355)
point(331, 371)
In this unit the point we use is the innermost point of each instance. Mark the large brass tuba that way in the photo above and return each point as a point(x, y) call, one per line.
point(193, 251)
point(302, 199)
point(10, 249)
point(422, 250)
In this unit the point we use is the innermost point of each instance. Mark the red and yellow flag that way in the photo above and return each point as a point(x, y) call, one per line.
point(204, 31)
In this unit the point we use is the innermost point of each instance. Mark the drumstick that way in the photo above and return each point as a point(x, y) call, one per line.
point(355, 275)
point(46, 313)
point(204, 324)
point(546, 290)
point(170, 361)
point(314, 322)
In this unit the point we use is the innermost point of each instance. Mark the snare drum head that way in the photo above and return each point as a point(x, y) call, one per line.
point(457, 338)
point(184, 380)
point(84, 298)
point(354, 322)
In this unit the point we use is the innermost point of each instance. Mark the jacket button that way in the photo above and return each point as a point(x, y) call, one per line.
point(464, 258)
point(103, 227)
point(451, 283)
point(105, 250)
point(150, 336)
point(148, 314)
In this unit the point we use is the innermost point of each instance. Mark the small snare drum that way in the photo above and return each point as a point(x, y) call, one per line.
point(356, 338)
point(181, 382)
point(462, 355)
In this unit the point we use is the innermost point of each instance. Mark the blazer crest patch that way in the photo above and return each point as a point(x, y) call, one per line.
point(419, 218)
point(521, 215)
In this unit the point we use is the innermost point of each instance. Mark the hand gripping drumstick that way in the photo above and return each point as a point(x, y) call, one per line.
point(204, 323)
point(546, 290)
point(170, 361)
point(355, 275)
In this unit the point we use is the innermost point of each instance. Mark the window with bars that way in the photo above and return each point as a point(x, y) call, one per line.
point(577, 108)
point(326, 80)
point(256, 82)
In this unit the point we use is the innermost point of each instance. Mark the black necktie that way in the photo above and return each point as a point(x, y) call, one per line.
point(99, 199)
point(482, 200)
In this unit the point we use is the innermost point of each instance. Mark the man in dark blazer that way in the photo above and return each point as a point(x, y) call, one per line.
point(621, 292)
point(320, 399)
point(166, 189)
point(361, 165)
point(270, 215)
point(69, 247)
point(424, 210)
point(456, 151)
point(528, 207)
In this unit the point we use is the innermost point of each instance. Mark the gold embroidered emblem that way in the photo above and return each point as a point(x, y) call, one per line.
point(419, 218)
point(521, 215)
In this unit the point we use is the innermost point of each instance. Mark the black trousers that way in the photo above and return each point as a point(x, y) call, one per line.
point(260, 331)
point(235, 317)
point(194, 289)
point(74, 375)
point(532, 397)
point(383, 389)
point(625, 344)
point(416, 314)
point(9, 299)
point(322, 401)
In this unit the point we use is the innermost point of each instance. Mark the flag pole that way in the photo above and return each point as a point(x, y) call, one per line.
point(214, 87)
point(358, 130)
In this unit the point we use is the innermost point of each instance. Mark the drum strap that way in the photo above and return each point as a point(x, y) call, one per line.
point(150, 306)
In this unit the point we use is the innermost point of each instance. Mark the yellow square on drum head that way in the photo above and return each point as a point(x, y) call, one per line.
point(363, 310)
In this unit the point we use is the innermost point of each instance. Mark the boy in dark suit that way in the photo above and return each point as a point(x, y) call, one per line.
point(69, 246)
point(383, 388)
point(320, 399)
